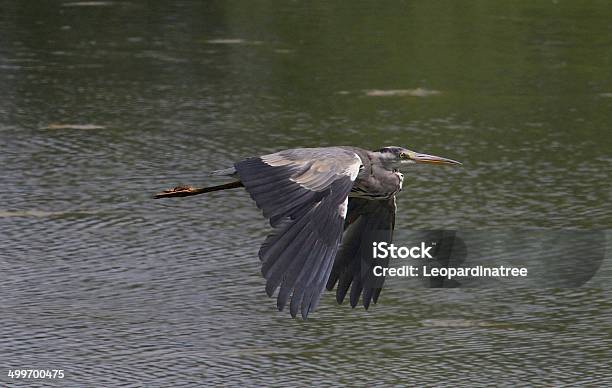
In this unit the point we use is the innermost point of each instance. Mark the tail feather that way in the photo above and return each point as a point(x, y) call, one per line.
point(225, 172)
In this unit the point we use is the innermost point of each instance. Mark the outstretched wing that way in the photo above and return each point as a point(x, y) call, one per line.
point(304, 194)
point(366, 222)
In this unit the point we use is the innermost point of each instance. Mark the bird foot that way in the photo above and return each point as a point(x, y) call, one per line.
point(178, 191)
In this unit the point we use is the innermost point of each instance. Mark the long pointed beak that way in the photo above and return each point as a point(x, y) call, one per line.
point(424, 158)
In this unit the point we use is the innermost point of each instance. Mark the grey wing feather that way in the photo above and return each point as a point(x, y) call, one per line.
point(367, 221)
point(303, 192)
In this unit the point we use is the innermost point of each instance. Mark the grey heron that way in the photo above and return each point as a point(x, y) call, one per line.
point(326, 207)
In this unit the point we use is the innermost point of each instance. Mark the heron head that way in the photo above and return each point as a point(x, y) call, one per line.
point(398, 157)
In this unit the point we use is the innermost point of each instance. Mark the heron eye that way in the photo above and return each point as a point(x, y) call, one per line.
point(404, 155)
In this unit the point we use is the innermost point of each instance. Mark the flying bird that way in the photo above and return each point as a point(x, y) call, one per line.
point(327, 206)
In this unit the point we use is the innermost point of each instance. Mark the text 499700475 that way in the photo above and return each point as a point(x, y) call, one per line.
point(36, 373)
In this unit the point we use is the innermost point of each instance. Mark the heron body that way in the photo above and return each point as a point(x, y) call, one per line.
point(326, 207)
point(375, 180)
